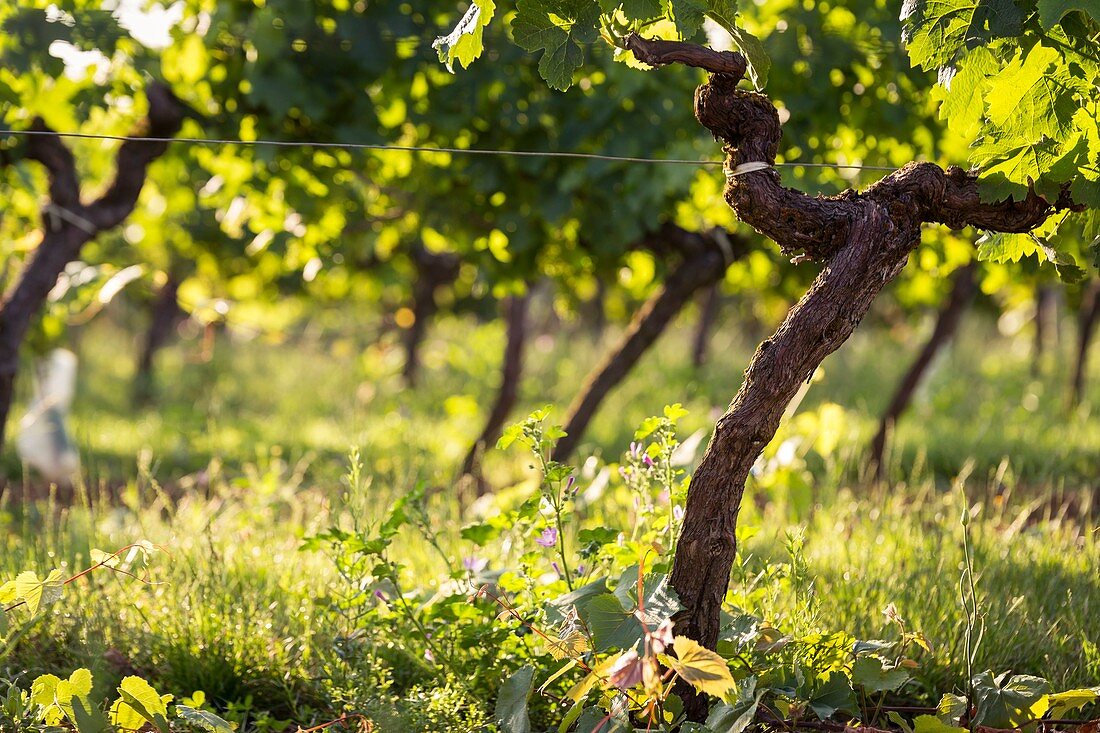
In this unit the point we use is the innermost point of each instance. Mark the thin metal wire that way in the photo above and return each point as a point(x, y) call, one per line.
point(417, 149)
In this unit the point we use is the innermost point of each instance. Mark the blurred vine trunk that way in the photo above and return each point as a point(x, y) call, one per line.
point(68, 223)
point(597, 311)
point(710, 303)
point(1046, 326)
point(1088, 317)
point(434, 270)
point(704, 267)
point(948, 319)
point(511, 372)
point(166, 315)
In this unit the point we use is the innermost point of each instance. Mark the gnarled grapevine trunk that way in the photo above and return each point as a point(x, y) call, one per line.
point(510, 373)
point(947, 323)
point(704, 265)
point(862, 240)
point(166, 315)
point(433, 270)
point(68, 223)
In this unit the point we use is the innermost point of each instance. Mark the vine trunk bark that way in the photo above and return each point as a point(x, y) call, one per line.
point(510, 373)
point(863, 239)
point(947, 323)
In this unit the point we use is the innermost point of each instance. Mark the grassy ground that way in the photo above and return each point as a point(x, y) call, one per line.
point(245, 454)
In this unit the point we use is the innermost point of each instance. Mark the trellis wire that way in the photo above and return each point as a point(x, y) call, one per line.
point(421, 149)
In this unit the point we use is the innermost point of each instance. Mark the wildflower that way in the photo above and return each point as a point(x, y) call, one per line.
point(580, 570)
point(474, 564)
point(635, 449)
point(557, 569)
point(570, 487)
point(677, 512)
point(647, 460)
point(429, 656)
point(548, 538)
point(380, 596)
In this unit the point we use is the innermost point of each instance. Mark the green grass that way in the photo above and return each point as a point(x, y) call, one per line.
point(244, 457)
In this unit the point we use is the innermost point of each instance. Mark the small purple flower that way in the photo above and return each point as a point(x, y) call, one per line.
point(569, 485)
point(557, 569)
point(380, 596)
point(548, 538)
point(635, 449)
point(429, 656)
point(647, 460)
point(580, 570)
point(474, 564)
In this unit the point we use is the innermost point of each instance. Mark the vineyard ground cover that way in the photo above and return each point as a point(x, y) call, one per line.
point(982, 402)
point(235, 614)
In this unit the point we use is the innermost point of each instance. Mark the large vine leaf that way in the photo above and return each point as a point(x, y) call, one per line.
point(1009, 703)
point(557, 28)
point(1051, 12)
point(937, 31)
point(511, 709)
point(465, 44)
point(1034, 96)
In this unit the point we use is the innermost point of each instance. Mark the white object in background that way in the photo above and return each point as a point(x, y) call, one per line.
point(44, 441)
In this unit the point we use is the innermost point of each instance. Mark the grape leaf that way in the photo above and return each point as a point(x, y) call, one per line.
point(936, 31)
point(203, 719)
point(1034, 96)
point(702, 668)
point(1051, 12)
point(511, 709)
point(557, 28)
point(641, 9)
point(687, 15)
point(1001, 247)
point(964, 95)
point(464, 44)
point(753, 50)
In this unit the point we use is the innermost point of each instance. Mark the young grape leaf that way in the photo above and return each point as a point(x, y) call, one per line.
point(37, 592)
point(1001, 247)
point(203, 719)
point(873, 676)
point(464, 43)
point(700, 667)
point(1062, 703)
point(836, 694)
